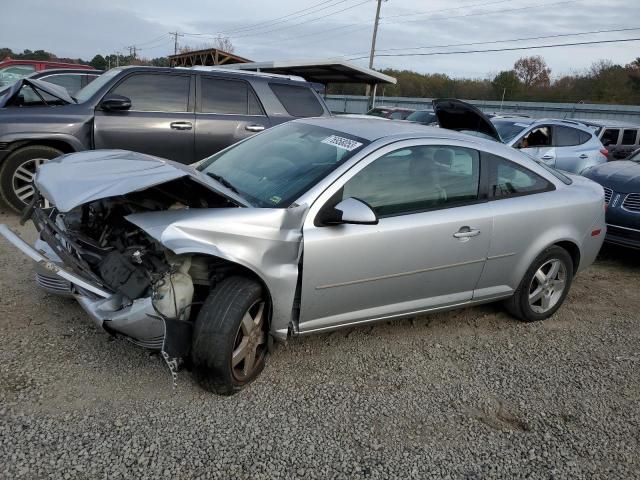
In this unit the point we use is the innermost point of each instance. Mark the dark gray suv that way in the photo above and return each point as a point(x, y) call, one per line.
point(179, 114)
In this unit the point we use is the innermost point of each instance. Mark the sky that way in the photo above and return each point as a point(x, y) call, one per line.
point(315, 29)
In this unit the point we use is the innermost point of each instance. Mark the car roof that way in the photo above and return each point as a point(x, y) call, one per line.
point(553, 121)
point(52, 71)
point(606, 123)
point(218, 71)
point(373, 129)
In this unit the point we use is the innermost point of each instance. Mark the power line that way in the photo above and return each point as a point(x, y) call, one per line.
point(542, 37)
point(531, 47)
point(413, 14)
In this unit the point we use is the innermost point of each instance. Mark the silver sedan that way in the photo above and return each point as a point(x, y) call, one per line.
point(310, 226)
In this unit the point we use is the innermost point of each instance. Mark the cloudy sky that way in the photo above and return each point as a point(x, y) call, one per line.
point(293, 29)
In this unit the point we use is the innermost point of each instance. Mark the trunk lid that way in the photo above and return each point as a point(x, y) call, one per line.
point(463, 117)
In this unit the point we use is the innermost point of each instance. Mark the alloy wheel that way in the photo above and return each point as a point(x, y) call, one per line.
point(22, 180)
point(547, 285)
point(250, 344)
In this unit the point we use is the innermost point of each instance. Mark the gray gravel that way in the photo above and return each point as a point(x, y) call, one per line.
point(467, 394)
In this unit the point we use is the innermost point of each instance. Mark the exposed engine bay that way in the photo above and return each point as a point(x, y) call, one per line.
point(96, 241)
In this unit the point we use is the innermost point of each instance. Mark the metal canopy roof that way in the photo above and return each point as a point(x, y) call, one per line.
point(321, 71)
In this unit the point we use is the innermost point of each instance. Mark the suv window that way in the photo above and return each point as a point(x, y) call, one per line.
point(538, 137)
point(610, 136)
point(629, 137)
point(72, 82)
point(569, 137)
point(417, 178)
point(232, 97)
point(298, 101)
point(508, 179)
point(156, 93)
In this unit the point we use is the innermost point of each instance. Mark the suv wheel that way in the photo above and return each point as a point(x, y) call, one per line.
point(18, 171)
point(230, 336)
point(544, 287)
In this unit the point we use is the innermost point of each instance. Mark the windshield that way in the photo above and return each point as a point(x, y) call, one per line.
point(12, 73)
point(508, 129)
point(274, 168)
point(635, 156)
point(422, 117)
point(87, 92)
point(378, 112)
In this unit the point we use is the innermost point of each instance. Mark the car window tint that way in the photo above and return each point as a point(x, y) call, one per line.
point(538, 137)
point(397, 115)
point(298, 101)
point(156, 93)
point(228, 97)
point(508, 179)
point(71, 82)
point(629, 137)
point(416, 179)
point(568, 136)
point(610, 136)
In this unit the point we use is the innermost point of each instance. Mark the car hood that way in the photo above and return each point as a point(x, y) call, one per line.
point(46, 87)
point(78, 178)
point(461, 116)
point(621, 176)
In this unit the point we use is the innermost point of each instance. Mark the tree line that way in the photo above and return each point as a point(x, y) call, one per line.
point(529, 80)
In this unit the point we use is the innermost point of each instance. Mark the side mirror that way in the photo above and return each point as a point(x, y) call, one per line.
point(115, 103)
point(351, 211)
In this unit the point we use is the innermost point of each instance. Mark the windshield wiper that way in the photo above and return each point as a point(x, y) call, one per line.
point(223, 181)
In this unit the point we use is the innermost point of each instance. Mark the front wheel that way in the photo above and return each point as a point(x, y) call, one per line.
point(18, 171)
point(544, 287)
point(230, 336)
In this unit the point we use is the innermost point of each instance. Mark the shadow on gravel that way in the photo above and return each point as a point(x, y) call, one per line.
point(621, 257)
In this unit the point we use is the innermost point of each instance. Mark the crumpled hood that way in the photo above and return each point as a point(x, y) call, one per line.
point(48, 88)
point(621, 176)
point(77, 178)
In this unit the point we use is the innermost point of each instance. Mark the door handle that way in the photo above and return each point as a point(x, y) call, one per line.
point(466, 232)
point(181, 125)
point(547, 157)
point(584, 156)
point(254, 127)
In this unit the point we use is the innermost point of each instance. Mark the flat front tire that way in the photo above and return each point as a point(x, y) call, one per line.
point(544, 286)
point(18, 171)
point(230, 336)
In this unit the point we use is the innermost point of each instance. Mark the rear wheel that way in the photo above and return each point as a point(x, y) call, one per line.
point(229, 340)
point(544, 287)
point(18, 171)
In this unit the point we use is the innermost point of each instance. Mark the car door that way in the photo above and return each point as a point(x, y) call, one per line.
point(427, 251)
point(571, 148)
point(538, 142)
point(228, 110)
point(159, 122)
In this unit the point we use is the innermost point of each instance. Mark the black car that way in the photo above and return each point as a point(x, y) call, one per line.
point(621, 182)
point(175, 113)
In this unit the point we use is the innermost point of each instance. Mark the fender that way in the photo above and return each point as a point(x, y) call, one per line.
point(32, 137)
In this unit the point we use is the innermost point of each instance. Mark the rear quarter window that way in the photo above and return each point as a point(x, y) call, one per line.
point(629, 137)
point(569, 137)
point(297, 100)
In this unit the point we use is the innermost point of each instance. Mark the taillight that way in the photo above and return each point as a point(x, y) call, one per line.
point(604, 152)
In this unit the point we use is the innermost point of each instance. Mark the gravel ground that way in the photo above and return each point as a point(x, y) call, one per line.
point(467, 394)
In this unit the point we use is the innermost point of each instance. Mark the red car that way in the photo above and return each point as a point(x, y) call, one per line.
point(13, 70)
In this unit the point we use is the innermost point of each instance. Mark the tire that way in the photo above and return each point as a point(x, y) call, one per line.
point(17, 173)
point(234, 314)
point(537, 298)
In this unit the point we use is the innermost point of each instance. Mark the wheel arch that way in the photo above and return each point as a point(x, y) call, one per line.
point(574, 251)
point(64, 143)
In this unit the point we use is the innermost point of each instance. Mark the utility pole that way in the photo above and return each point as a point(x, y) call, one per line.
point(373, 41)
point(175, 41)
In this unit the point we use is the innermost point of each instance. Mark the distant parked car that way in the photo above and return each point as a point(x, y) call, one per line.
point(13, 70)
point(424, 117)
point(310, 226)
point(179, 114)
point(621, 182)
point(71, 79)
point(392, 113)
point(620, 138)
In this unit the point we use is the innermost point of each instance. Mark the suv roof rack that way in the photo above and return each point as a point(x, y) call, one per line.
point(206, 68)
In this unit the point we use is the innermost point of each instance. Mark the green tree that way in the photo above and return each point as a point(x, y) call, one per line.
point(506, 83)
point(98, 62)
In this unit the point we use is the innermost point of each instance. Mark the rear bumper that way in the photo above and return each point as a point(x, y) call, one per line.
point(624, 236)
point(137, 321)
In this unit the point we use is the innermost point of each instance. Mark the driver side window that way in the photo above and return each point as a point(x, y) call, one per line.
point(415, 179)
point(538, 137)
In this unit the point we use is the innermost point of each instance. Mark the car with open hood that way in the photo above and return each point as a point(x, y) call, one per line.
point(176, 113)
point(621, 182)
point(563, 144)
point(310, 226)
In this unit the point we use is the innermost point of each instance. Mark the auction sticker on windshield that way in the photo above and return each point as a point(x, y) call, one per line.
point(341, 142)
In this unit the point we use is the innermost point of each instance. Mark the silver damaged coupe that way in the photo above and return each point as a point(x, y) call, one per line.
point(310, 226)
